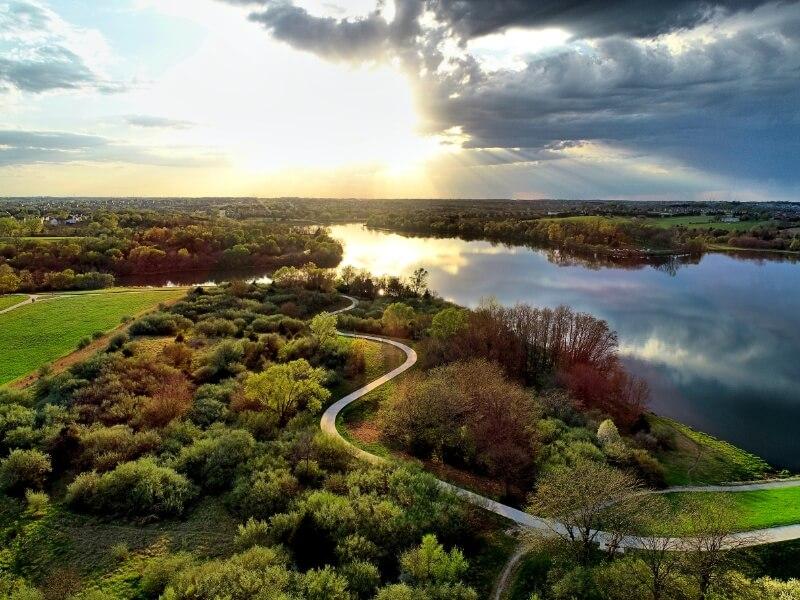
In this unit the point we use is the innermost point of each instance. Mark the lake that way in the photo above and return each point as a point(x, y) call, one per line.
point(717, 339)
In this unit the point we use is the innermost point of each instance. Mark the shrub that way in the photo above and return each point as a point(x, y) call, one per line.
point(212, 462)
point(252, 533)
point(362, 578)
point(265, 493)
point(158, 572)
point(120, 552)
point(24, 469)
point(323, 584)
point(116, 342)
point(240, 577)
point(216, 327)
point(84, 342)
point(139, 488)
point(648, 468)
point(429, 563)
point(159, 323)
point(106, 447)
point(607, 433)
point(37, 503)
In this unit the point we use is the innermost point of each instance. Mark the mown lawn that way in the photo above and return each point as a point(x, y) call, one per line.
point(698, 458)
point(702, 222)
point(755, 509)
point(36, 334)
point(8, 301)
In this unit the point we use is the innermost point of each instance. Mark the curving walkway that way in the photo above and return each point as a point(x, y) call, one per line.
point(738, 540)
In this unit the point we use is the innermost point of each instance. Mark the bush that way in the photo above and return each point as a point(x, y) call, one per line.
point(120, 552)
point(215, 327)
point(607, 433)
point(158, 572)
point(265, 493)
point(37, 503)
point(84, 342)
point(116, 342)
point(159, 323)
point(139, 488)
point(24, 469)
point(103, 448)
point(212, 462)
point(252, 533)
point(240, 577)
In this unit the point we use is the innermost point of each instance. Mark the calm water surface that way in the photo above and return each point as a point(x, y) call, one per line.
point(718, 341)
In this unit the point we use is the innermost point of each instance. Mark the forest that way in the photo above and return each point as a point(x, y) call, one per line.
point(105, 247)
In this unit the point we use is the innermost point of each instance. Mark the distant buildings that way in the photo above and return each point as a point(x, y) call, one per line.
point(70, 220)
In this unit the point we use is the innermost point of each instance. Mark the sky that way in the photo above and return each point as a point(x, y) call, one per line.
point(617, 99)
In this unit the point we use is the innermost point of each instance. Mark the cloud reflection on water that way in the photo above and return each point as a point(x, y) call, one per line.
point(717, 340)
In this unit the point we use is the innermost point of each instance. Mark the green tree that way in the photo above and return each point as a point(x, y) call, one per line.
point(9, 281)
point(397, 318)
point(288, 388)
point(448, 322)
point(431, 564)
point(323, 326)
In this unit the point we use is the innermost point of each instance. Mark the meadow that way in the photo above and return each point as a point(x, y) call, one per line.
point(9, 301)
point(689, 222)
point(35, 334)
point(757, 509)
point(699, 458)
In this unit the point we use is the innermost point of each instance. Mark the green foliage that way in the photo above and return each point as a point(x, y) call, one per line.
point(213, 461)
point(448, 322)
point(431, 564)
point(159, 323)
point(287, 389)
point(323, 326)
point(397, 318)
point(257, 574)
point(24, 469)
point(138, 488)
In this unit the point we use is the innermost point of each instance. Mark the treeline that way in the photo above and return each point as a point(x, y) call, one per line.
point(587, 235)
point(119, 245)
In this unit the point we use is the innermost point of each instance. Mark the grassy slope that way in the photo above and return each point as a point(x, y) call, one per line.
point(8, 301)
point(698, 458)
point(36, 334)
point(62, 542)
point(755, 509)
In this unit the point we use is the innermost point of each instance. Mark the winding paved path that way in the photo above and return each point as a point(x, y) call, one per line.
point(746, 538)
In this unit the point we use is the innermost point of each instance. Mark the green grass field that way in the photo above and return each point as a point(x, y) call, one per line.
point(690, 222)
point(702, 222)
point(755, 509)
point(36, 334)
point(698, 458)
point(9, 301)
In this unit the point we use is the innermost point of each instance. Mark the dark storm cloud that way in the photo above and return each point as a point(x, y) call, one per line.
point(365, 39)
point(39, 57)
point(151, 122)
point(587, 18)
point(19, 147)
point(726, 101)
point(731, 104)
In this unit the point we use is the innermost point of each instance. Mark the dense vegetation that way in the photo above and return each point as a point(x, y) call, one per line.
point(105, 245)
point(217, 398)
